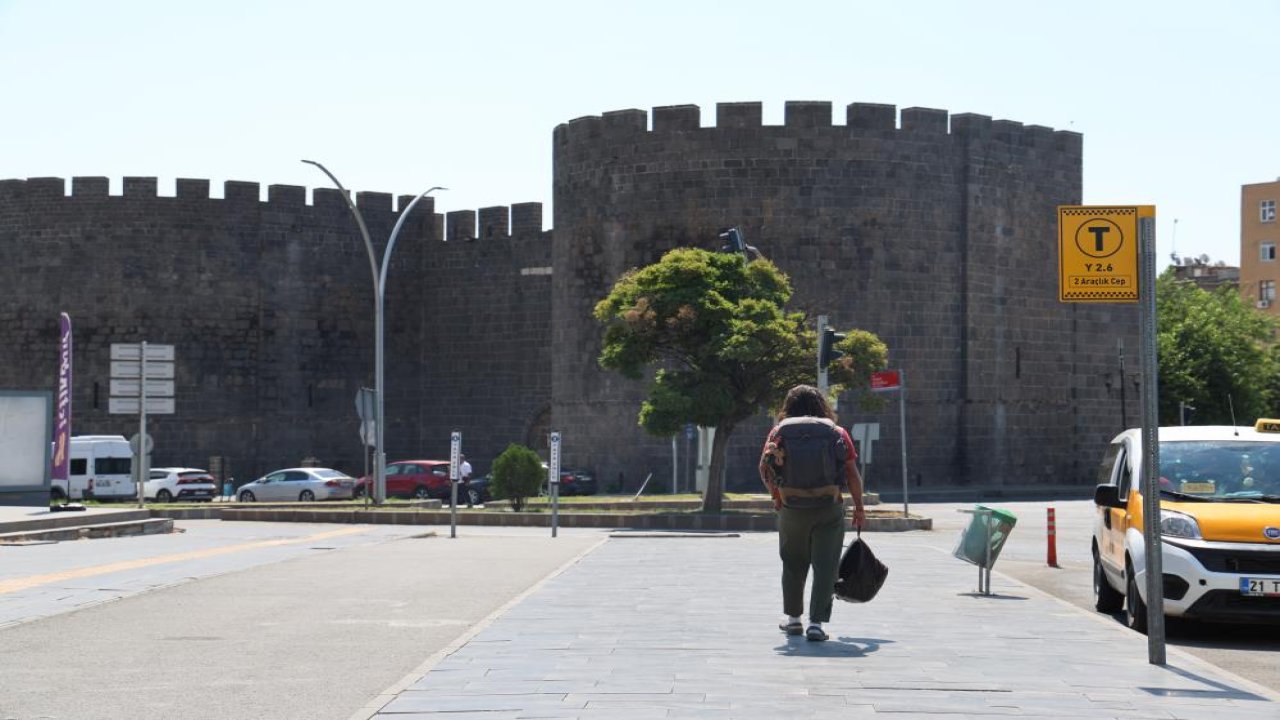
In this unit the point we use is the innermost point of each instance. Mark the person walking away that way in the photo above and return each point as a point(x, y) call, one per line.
point(464, 475)
point(805, 460)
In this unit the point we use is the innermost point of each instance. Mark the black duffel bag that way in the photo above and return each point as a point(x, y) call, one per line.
point(861, 573)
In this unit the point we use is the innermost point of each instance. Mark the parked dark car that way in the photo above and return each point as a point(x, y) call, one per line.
point(479, 489)
point(575, 482)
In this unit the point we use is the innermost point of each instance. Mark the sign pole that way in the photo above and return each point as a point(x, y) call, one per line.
point(822, 372)
point(1151, 443)
point(455, 450)
point(142, 424)
point(553, 481)
point(902, 429)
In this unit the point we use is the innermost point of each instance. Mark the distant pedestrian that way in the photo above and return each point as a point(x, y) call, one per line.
point(464, 475)
point(805, 460)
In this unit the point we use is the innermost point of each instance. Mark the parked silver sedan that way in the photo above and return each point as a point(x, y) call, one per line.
point(301, 484)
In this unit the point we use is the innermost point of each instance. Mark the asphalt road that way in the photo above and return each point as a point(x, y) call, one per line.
point(310, 627)
point(1246, 650)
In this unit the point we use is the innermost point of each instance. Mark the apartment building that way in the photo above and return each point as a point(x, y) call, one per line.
point(1259, 235)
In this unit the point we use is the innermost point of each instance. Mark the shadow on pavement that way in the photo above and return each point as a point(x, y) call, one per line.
point(1220, 691)
point(835, 647)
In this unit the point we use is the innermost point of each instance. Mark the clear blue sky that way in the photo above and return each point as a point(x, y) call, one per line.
point(1177, 100)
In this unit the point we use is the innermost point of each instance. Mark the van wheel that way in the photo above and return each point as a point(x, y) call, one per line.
point(306, 496)
point(1135, 610)
point(421, 492)
point(246, 496)
point(1105, 598)
point(164, 496)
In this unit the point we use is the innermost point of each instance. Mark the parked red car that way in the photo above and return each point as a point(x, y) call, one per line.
point(412, 479)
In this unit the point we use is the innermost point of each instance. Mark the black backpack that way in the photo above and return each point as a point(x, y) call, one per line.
point(812, 461)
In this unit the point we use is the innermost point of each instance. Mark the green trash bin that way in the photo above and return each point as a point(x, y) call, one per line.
point(972, 546)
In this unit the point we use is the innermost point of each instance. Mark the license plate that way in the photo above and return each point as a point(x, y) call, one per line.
point(1260, 587)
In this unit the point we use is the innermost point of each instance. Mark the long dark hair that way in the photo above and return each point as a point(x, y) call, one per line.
point(805, 401)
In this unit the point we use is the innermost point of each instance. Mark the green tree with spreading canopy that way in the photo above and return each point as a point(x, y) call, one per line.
point(724, 344)
point(1214, 351)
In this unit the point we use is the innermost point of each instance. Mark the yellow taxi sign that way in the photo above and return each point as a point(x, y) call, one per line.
point(1267, 425)
point(1098, 252)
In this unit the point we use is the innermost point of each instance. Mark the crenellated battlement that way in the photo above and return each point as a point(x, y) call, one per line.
point(805, 115)
point(494, 223)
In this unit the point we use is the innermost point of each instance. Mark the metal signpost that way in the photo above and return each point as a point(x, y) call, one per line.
point(884, 381)
point(553, 481)
point(141, 382)
point(366, 408)
point(1107, 254)
point(822, 371)
point(455, 451)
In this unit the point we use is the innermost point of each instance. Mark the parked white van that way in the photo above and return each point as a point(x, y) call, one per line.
point(101, 468)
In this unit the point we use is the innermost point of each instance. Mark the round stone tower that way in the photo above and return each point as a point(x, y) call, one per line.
point(935, 232)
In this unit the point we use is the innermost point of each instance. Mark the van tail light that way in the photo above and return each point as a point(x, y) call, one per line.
point(91, 484)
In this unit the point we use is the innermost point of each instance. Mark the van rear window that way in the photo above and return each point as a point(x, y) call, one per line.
point(113, 466)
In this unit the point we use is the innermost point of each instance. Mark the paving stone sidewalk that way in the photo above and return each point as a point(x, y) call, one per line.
point(687, 628)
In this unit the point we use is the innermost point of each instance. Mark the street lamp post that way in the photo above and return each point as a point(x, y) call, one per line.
point(379, 300)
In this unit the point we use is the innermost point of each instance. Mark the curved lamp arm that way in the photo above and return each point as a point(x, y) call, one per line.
point(364, 230)
point(395, 232)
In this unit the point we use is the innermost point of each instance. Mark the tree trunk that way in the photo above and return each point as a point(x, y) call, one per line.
point(713, 498)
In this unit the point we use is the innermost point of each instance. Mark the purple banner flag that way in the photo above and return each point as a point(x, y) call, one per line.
point(62, 415)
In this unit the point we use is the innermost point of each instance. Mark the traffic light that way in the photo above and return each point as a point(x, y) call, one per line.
point(733, 242)
point(827, 351)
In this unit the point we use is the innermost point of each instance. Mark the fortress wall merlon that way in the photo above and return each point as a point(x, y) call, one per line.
point(1009, 131)
point(495, 223)
point(426, 205)
point(45, 187)
point(368, 201)
point(437, 226)
point(807, 114)
point(971, 125)
point(924, 120)
point(240, 191)
point(460, 225)
point(584, 128)
point(739, 115)
point(1038, 136)
point(191, 188)
point(871, 116)
point(90, 186)
point(292, 196)
point(630, 120)
point(140, 187)
point(329, 198)
point(677, 117)
point(526, 218)
point(1068, 141)
point(12, 189)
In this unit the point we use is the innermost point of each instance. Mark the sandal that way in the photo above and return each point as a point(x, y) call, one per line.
point(815, 633)
point(795, 628)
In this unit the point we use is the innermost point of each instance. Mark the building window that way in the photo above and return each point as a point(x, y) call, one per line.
point(1267, 252)
point(1267, 290)
point(1267, 211)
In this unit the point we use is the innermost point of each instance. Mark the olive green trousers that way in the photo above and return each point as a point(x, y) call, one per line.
point(810, 536)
